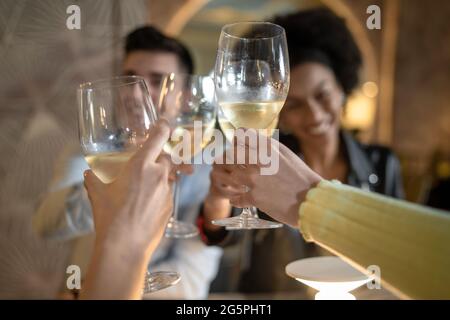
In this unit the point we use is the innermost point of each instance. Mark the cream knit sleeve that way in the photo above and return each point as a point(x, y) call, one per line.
point(410, 243)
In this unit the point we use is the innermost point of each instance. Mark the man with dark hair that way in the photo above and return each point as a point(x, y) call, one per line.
point(65, 213)
point(151, 54)
point(149, 39)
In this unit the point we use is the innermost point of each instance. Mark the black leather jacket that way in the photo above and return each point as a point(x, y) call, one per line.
point(265, 253)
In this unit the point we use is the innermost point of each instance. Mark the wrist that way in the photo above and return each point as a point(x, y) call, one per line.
point(114, 257)
point(215, 207)
point(129, 245)
point(313, 181)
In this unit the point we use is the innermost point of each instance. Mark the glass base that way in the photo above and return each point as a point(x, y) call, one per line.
point(180, 230)
point(159, 280)
point(246, 222)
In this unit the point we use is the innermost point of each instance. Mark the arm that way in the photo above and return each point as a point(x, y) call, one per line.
point(117, 269)
point(408, 242)
point(196, 262)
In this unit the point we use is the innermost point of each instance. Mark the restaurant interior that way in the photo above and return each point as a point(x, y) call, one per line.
point(401, 101)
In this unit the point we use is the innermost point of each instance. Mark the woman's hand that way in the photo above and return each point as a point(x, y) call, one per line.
point(280, 194)
point(130, 215)
point(217, 203)
point(137, 204)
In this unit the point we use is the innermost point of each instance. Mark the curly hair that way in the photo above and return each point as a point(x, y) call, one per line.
point(318, 35)
point(151, 39)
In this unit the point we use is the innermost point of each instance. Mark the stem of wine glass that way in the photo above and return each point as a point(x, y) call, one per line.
point(254, 212)
point(247, 213)
point(176, 197)
point(175, 228)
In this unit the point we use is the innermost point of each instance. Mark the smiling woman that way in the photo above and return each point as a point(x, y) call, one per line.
point(325, 63)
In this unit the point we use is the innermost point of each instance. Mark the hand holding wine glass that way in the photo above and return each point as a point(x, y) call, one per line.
point(139, 198)
point(252, 82)
point(115, 116)
point(130, 214)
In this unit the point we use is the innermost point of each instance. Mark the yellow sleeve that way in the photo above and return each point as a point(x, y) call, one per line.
point(410, 243)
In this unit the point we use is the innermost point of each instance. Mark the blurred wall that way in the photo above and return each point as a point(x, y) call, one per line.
point(421, 134)
point(41, 64)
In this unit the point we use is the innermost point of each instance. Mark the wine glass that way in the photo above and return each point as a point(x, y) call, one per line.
point(252, 81)
point(114, 118)
point(188, 103)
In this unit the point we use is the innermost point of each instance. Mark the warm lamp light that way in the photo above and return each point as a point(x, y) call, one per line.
point(370, 89)
point(360, 109)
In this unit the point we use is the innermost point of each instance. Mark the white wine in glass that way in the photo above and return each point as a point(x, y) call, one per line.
point(256, 115)
point(108, 165)
point(187, 102)
point(114, 118)
point(205, 133)
point(228, 129)
point(251, 78)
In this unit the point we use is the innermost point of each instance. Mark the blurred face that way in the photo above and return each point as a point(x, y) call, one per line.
point(152, 66)
point(314, 104)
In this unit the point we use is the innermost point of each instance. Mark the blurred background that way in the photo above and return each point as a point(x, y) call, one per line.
point(403, 100)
